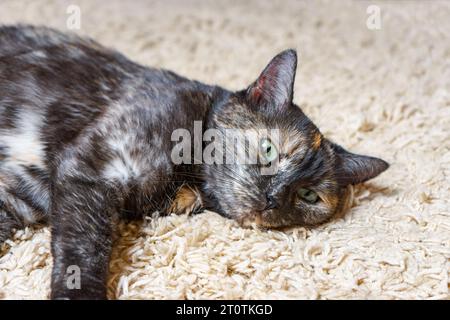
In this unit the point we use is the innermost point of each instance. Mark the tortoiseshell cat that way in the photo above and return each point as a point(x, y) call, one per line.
point(85, 140)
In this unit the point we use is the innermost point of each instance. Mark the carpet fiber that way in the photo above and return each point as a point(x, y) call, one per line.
point(382, 92)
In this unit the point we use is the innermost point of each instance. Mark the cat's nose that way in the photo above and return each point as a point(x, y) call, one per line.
point(271, 203)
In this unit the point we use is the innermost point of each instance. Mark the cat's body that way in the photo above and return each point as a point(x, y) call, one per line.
point(82, 125)
point(65, 99)
point(85, 139)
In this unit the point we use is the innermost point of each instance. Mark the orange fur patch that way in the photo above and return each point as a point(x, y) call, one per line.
point(317, 140)
point(330, 200)
point(186, 201)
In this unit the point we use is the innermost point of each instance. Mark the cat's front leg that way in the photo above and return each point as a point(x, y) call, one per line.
point(83, 212)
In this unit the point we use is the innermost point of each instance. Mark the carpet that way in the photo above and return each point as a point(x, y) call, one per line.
point(381, 90)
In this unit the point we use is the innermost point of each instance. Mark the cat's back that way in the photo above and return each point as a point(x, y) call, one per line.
point(66, 54)
point(66, 101)
point(20, 39)
point(52, 85)
point(56, 84)
point(55, 87)
point(53, 72)
point(47, 58)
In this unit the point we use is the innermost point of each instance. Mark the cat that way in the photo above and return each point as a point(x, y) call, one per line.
point(86, 140)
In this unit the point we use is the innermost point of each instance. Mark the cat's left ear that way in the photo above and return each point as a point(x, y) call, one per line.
point(354, 168)
point(275, 85)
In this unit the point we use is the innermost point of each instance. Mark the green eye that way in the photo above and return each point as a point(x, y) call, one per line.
point(268, 150)
point(308, 195)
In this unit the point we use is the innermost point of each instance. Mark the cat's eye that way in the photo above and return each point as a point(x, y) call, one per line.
point(308, 195)
point(268, 151)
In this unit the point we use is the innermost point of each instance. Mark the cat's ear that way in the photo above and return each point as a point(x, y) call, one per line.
point(275, 85)
point(354, 168)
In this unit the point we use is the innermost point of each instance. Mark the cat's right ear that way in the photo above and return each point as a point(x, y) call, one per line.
point(275, 85)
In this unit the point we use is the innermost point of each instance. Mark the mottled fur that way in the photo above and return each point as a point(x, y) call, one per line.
point(85, 140)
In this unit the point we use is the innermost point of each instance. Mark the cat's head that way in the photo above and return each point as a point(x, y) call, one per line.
point(309, 180)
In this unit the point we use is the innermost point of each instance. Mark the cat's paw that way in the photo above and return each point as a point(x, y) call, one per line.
point(188, 200)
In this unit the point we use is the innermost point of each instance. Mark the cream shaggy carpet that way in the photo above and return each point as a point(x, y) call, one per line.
point(382, 92)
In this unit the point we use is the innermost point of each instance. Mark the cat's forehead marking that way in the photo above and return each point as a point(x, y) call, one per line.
point(292, 145)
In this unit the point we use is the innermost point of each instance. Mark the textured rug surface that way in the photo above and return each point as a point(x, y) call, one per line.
point(383, 92)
